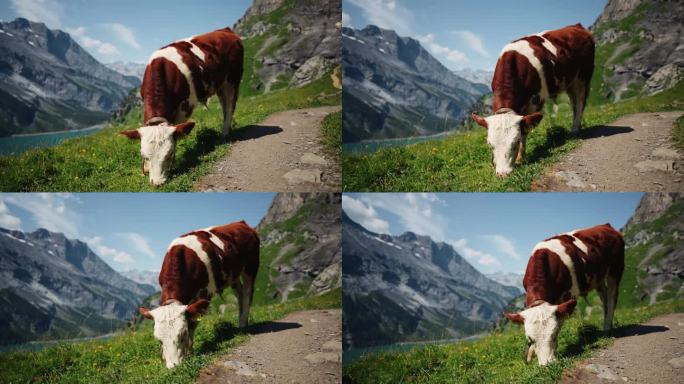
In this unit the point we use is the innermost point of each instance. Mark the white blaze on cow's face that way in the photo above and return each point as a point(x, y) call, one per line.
point(505, 132)
point(542, 324)
point(174, 329)
point(158, 148)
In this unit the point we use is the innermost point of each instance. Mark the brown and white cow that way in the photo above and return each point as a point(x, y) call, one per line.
point(197, 265)
point(529, 71)
point(561, 269)
point(179, 77)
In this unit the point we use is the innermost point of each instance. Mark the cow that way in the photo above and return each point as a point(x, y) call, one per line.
point(529, 71)
point(561, 269)
point(178, 77)
point(196, 266)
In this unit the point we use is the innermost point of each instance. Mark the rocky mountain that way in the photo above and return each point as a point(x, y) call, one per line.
point(654, 237)
point(477, 76)
point(392, 87)
point(150, 278)
point(411, 288)
point(638, 48)
point(289, 43)
point(508, 279)
point(53, 287)
point(128, 68)
point(49, 83)
point(300, 246)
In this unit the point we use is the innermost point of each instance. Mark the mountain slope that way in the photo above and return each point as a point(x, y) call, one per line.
point(128, 68)
point(655, 250)
point(477, 76)
point(289, 43)
point(54, 287)
point(638, 48)
point(410, 288)
point(392, 87)
point(300, 247)
point(49, 83)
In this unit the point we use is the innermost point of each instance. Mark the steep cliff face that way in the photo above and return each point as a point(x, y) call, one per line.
point(654, 237)
point(289, 43)
point(48, 82)
point(638, 48)
point(392, 87)
point(300, 254)
point(410, 288)
point(53, 287)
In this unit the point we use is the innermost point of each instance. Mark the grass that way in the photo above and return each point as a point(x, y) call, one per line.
point(678, 132)
point(331, 132)
point(463, 162)
point(497, 358)
point(134, 357)
point(107, 161)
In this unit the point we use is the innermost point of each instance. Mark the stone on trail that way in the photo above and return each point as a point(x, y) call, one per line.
point(677, 362)
point(240, 368)
point(297, 176)
point(602, 371)
point(323, 357)
point(312, 159)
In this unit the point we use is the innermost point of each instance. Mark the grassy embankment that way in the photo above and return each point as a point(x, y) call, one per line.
point(134, 357)
point(107, 161)
point(462, 162)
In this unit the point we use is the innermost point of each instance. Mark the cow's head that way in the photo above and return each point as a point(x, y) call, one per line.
point(174, 325)
point(505, 131)
point(542, 324)
point(158, 147)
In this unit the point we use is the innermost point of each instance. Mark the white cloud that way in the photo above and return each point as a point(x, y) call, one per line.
point(482, 258)
point(364, 215)
point(438, 49)
point(503, 245)
point(46, 11)
point(49, 211)
point(124, 34)
point(7, 220)
point(346, 20)
point(140, 243)
point(104, 251)
point(415, 211)
point(88, 42)
point(386, 14)
point(473, 41)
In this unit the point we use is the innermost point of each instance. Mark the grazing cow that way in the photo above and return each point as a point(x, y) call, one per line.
point(197, 265)
point(561, 269)
point(178, 77)
point(530, 71)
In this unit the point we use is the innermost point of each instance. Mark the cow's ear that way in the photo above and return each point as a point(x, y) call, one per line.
point(183, 129)
point(133, 134)
point(479, 120)
point(530, 121)
point(197, 308)
point(565, 309)
point(514, 317)
point(146, 312)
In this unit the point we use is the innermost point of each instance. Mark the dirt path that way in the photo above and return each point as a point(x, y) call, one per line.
point(282, 153)
point(304, 347)
point(646, 353)
point(634, 153)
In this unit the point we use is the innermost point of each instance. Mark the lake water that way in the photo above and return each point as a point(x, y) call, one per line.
point(14, 145)
point(34, 346)
point(370, 146)
point(350, 355)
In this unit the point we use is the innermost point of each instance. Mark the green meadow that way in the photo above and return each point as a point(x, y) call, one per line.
point(134, 356)
point(107, 161)
point(462, 162)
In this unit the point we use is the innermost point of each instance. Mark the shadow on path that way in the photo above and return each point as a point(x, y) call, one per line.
point(255, 131)
point(603, 131)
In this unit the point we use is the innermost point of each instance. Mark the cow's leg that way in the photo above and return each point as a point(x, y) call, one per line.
point(228, 97)
point(521, 150)
point(602, 291)
point(238, 291)
point(612, 297)
point(248, 281)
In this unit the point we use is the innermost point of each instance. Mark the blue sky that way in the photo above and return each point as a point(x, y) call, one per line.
point(129, 230)
point(127, 30)
point(465, 33)
point(493, 231)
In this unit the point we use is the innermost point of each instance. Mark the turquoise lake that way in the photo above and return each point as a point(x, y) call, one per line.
point(15, 145)
point(370, 146)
